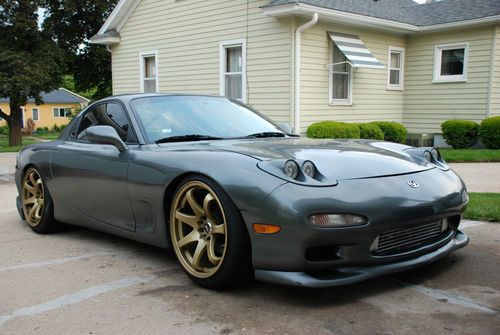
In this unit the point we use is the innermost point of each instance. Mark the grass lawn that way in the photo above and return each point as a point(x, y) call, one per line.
point(484, 206)
point(4, 141)
point(470, 155)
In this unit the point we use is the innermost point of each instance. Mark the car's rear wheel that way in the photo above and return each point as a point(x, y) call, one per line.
point(208, 235)
point(37, 203)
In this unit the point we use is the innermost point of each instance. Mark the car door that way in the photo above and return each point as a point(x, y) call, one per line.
point(92, 178)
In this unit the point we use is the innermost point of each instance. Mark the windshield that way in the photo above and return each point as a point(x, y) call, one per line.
point(164, 117)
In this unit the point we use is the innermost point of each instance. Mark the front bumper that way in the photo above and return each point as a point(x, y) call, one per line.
point(350, 275)
point(388, 203)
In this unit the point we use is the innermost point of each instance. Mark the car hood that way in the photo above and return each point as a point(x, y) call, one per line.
point(334, 159)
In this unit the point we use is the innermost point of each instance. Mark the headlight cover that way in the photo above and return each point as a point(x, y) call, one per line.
point(309, 169)
point(291, 169)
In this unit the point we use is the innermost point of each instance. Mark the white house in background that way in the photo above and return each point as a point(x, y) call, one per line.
point(312, 60)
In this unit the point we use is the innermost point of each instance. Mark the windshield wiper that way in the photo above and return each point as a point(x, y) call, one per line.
point(267, 134)
point(187, 138)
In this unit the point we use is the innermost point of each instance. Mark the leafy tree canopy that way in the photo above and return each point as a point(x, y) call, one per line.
point(72, 23)
point(30, 61)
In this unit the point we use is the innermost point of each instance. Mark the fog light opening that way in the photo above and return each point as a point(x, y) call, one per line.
point(444, 225)
point(268, 229)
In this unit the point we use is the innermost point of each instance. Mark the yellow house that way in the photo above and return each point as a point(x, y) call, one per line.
point(57, 107)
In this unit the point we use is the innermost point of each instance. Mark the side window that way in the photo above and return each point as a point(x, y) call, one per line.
point(110, 114)
point(117, 118)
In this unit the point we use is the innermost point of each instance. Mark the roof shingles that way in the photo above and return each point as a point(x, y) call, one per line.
point(408, 11)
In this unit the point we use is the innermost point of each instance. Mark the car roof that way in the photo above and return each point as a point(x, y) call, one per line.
point(132, 96)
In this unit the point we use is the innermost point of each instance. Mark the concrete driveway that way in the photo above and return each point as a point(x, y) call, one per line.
point(85, 282)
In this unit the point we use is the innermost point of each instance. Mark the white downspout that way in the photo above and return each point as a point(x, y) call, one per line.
point(298, 49)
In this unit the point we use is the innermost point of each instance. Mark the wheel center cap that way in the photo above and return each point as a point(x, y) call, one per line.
point(207, 227)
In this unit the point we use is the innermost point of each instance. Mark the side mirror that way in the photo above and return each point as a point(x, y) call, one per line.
point(104, 135)
point(286, 127)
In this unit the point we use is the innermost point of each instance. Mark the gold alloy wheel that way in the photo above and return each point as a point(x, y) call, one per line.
point(33, 199)
point(198, 229)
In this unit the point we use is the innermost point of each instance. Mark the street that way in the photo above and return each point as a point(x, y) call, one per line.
point(86, 282)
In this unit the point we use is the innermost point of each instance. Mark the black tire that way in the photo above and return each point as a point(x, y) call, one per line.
point(235, 266)
point(47, 223)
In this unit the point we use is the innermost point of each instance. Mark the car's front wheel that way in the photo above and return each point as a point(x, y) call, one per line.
point(208, 234)
point(37, 203)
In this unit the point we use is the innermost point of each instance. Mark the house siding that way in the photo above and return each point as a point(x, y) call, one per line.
point(45, 113)
point(495, 76)
point(427, 104)
point(371, 99)
point(187, 35)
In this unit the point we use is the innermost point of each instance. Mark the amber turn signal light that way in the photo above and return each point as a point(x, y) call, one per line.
point(266, 228)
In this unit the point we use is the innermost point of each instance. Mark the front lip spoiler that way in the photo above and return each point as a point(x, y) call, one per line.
point(350, 275)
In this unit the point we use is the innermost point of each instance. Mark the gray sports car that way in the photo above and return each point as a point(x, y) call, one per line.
point(236, 196)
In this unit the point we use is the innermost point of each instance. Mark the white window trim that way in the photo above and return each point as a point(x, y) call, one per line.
point(392, 87)
point(438, 78)
point(143, 55)
point(331, 100)
point(59, 108)
point(222, 66)
point(32, 114)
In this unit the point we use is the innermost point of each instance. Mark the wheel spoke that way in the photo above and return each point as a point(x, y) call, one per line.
point(39, 212)
point(29, 188)
point(32, 211)
point(30, 200)
point(211, 252)
point(192, 237)
point(220, 229)
point(206, 206)
point(201, 249)
point(190, 220)
point(32, 179)
point(198, 211)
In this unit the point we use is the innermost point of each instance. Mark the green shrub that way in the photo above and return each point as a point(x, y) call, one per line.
point(460, 134)
point(46, 129)
point(393, 131)
point(490, 132)
point(4, 130)
point(332, 129)
point(370, 131)
point(62, 127)
point(42, 131)
point(56, 129)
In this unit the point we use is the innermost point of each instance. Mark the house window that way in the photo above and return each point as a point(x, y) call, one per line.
point(233, 69)
point(149, 72)
point(35, 114)
point(62, 112)
point(340, 79)
point(395, 71)
point(450, 62)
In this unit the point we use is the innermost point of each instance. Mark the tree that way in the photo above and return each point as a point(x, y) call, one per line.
point(73, 23)
point(30, 61)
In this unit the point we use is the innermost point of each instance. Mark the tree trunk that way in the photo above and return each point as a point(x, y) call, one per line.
point(14, 122)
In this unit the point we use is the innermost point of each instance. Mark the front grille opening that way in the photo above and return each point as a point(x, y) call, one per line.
point(402, 240)
point(322, 254)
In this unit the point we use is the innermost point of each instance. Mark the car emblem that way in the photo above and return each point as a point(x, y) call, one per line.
point(413, 184)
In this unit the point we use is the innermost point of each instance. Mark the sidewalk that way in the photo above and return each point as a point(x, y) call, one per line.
point(479, 177)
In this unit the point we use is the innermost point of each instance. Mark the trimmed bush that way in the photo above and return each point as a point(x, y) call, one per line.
point(490, 132)
point(460, 134)
point(332, 129)
point(371, 131)
point(56, 129)
point(4, 130)
point(393, 131)
point(41, 131)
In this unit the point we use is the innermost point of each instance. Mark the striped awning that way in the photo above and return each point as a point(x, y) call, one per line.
point(355, 51)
